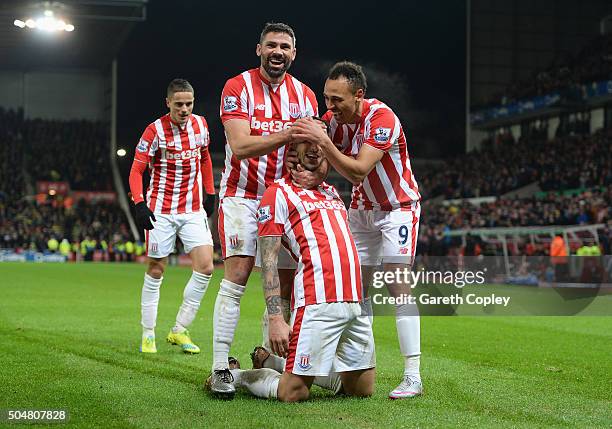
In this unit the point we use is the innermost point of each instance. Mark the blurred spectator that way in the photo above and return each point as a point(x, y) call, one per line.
point(566, 73)
point(587, 207)
point(564, 163)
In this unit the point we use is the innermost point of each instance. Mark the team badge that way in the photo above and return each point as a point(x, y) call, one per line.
point(294, 110)
point(381, 135)
point(304, 362)
point(263, 214)
point(234, 242)
point(230, 103)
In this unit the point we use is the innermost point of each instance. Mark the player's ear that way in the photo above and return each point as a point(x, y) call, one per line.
point(359, 94)
point(258, 50)
point(168, 102)
point(293, 54)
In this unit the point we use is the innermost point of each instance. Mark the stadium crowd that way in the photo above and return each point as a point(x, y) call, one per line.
point(566, 73)
point(71, 151)
point(86, 226)
point(572, 161)
point(587, 207)
point(576, 161)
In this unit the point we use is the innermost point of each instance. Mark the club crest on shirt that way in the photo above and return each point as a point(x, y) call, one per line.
point(263, 214)
point(234, 242)
point(304, 362)
point(142, 146)
point(381, 135)
point(294, 110)
point(328, 193)
point(230, 103)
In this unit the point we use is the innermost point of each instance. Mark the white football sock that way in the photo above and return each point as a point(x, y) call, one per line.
point(148, 332)
point(408, 325)
point(274, 362)
point(265, 333)
point(225, 320)
point(331, 382)
point(192, 297)
point(149, 301)
point(411, 366)
point(262, 383)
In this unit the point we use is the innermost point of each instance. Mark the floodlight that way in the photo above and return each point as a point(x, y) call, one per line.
point(47, 22)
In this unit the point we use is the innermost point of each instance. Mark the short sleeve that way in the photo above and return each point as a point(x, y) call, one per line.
point(147, 146)
point(327, 117)
point(382, 130)
point(272, 213)
point(312, 106)
point(234, 100)
point(204, 133)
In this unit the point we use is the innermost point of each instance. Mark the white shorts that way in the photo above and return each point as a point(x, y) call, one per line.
point(382, 236)
point(191, 228)
point(238, 231)
point(330, 337)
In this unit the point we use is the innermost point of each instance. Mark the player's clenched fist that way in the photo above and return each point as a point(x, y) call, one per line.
point(144, 216)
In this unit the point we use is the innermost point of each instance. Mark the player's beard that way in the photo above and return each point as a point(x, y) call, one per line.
point(272, 72)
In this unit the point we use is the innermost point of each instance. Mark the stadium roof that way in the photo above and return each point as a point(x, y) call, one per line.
point(101, 27)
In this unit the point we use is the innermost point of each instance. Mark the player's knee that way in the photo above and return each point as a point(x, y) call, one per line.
point(156, 269)
point(365, 391)
point(204, 268)
point(238, 269)
point(293, 394)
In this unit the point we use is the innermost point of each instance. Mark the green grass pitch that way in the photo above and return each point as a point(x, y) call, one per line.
point(69, 338)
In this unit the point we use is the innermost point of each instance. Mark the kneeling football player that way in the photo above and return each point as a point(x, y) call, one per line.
point(328, 339)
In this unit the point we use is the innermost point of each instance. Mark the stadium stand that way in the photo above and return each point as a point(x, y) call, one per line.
point(567, 72)
point(574, 161)
point(586, 207)
point(75, 152)
point(72, 151)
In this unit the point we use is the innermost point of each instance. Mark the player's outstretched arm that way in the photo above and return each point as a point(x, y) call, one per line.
point(279, 330)
point(244, 145)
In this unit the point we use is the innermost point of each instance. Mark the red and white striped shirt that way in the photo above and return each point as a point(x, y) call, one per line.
point(173, 154)
point(268, 108)
point(314, 227)
point(390, 185)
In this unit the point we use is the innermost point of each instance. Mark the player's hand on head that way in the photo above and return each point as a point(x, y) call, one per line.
point(144, 216)
point(303, 178)
point(308, 129)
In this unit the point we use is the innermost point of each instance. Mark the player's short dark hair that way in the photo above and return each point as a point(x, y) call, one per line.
point(179, 85)
point(352, 72)
point(277, 27)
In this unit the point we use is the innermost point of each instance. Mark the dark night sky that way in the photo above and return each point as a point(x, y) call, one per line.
point(413, 53)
